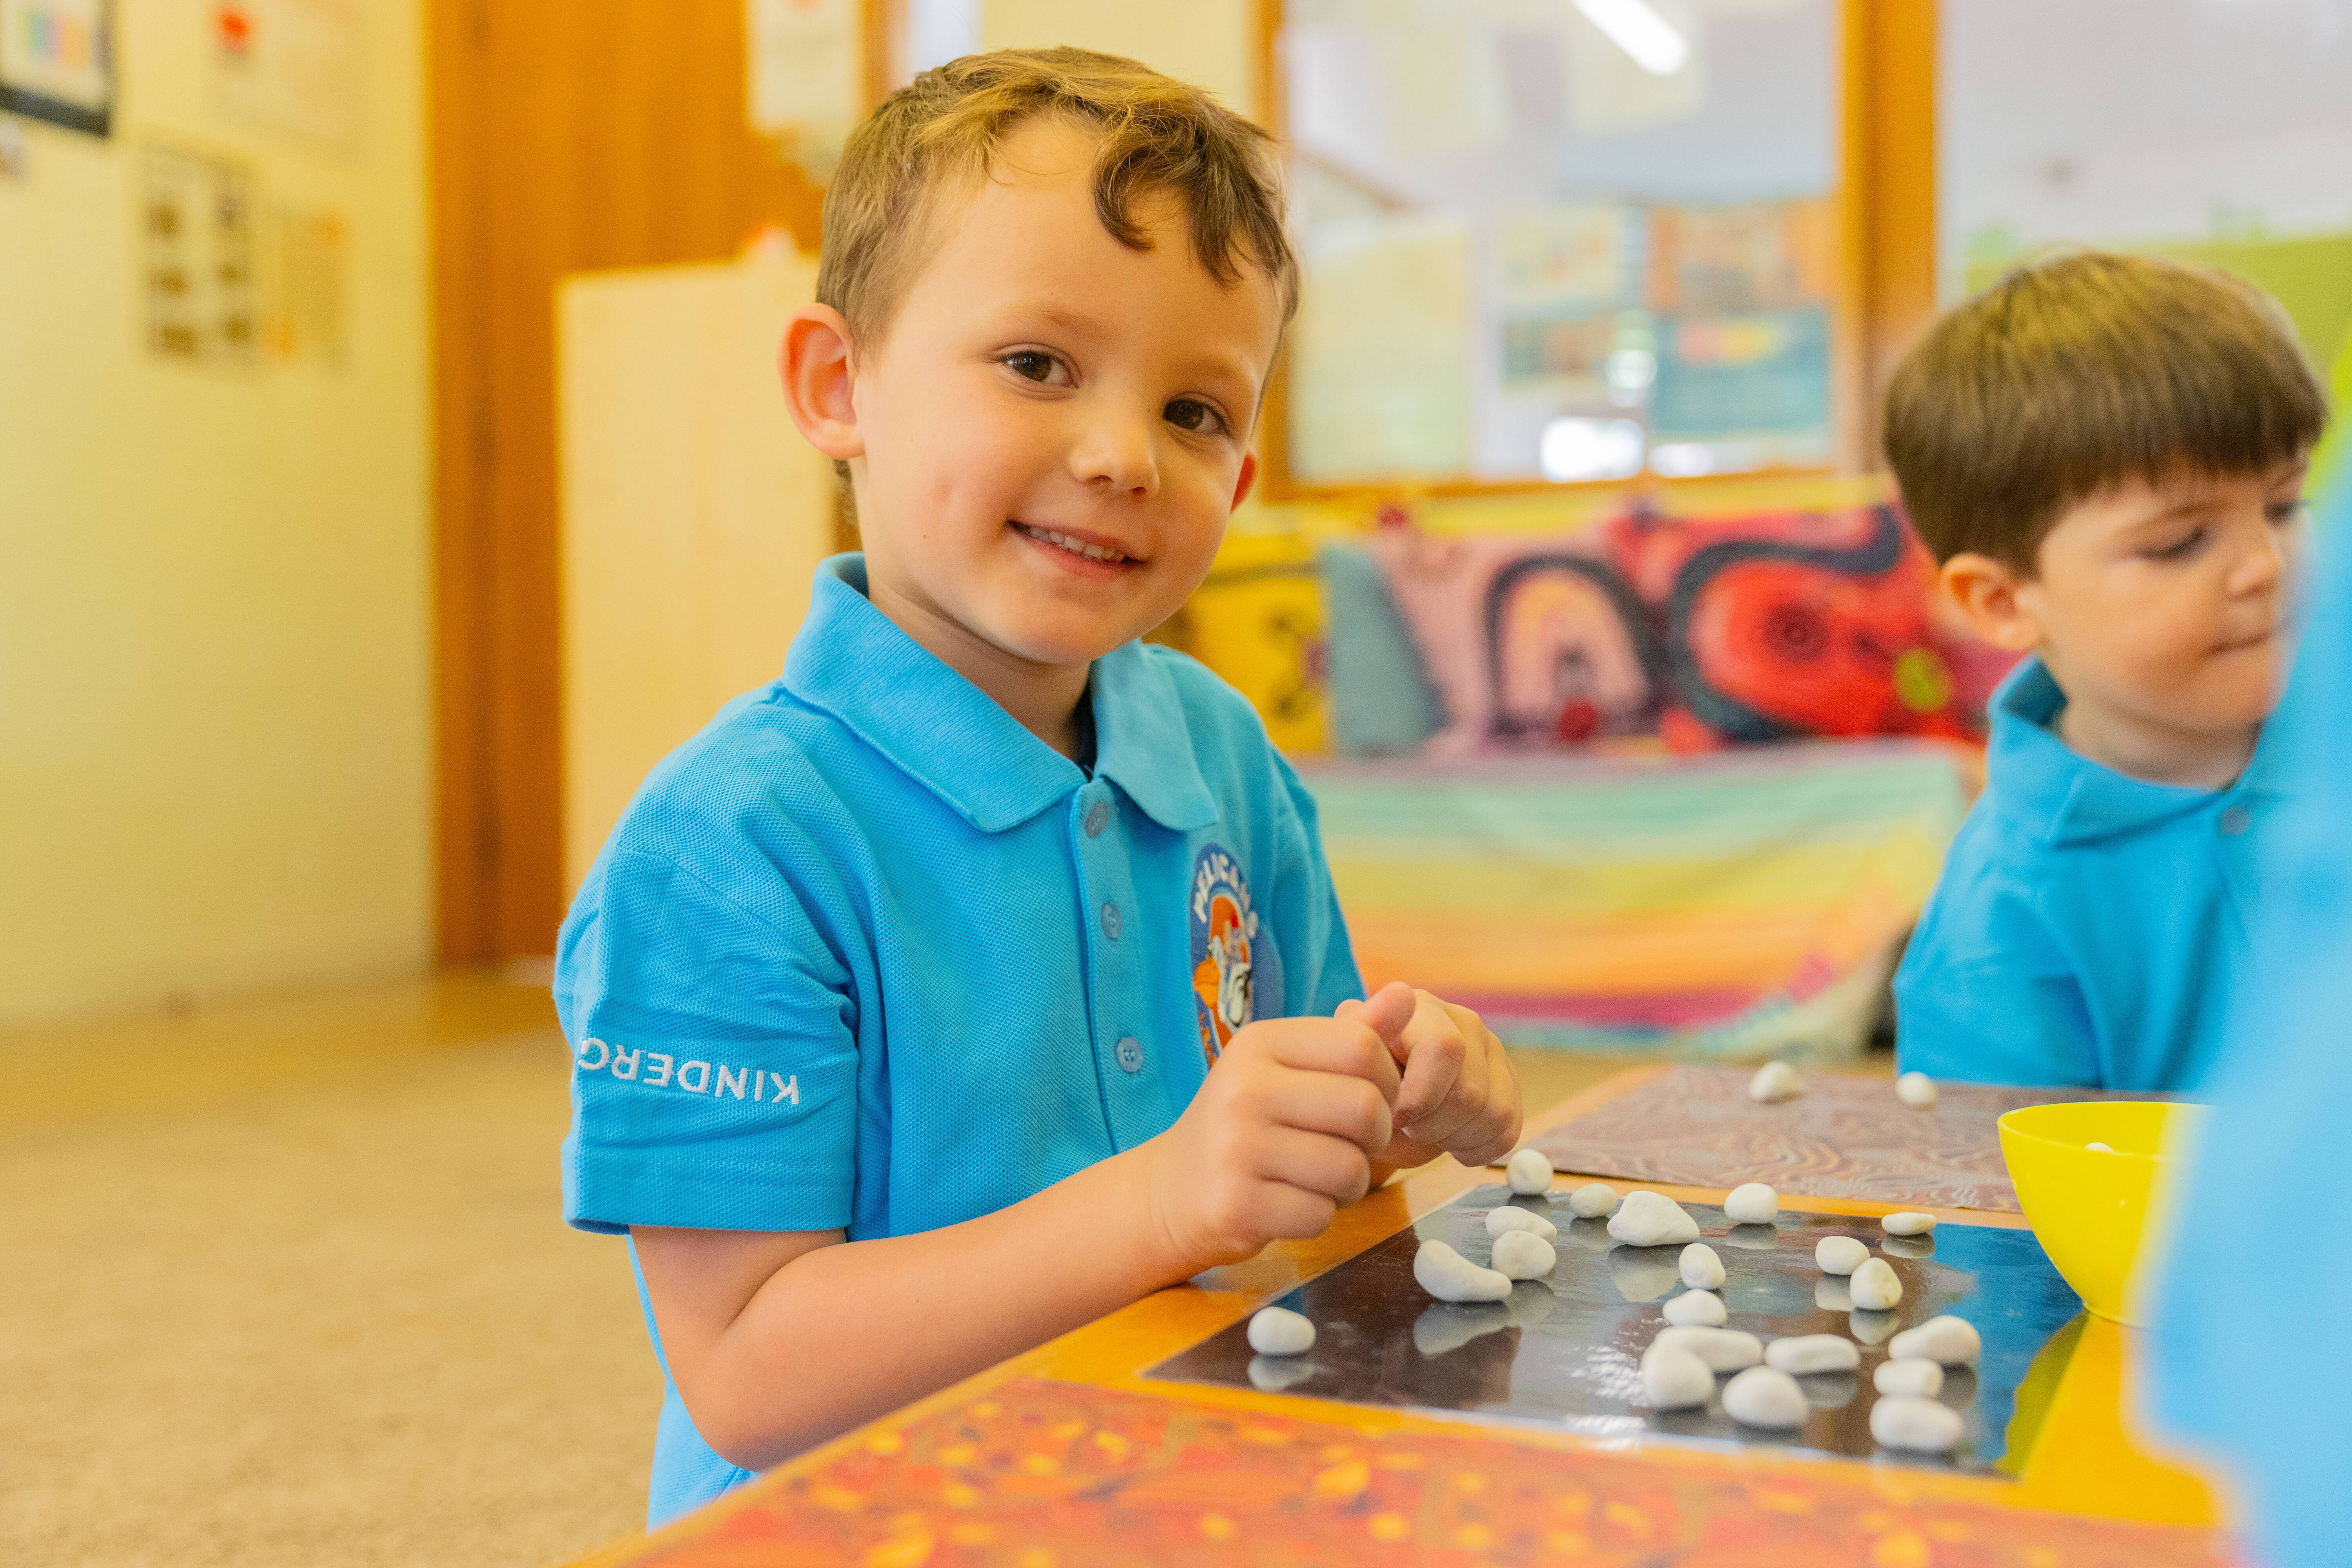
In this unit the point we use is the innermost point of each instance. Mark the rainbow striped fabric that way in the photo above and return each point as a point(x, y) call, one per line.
point(1739, 904)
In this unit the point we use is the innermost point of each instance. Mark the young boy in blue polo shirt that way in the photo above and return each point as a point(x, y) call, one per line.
point(2107, 455)
point(983, 973)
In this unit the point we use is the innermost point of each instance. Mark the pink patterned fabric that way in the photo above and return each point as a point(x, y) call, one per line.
point(1703, 631)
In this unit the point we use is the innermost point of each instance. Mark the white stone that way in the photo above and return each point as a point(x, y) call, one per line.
point(1528, 1172)
point(1450, 1277)
point(1702, 1269)
point(1910, 1376)
point(2098, 1148)
point(1723, 1350)
point(1752, 1203)
point(1761, 1396)
point(1814, 1352)
point(1524, 1254)
point(1910, 1423)
point(1915, 1089)
point(1510, 1217)
point(1702, 1309)
point(1947, 1341)
point(1652, 1219)
point(1674, 1379)
point(1277, 1330)
point(1592, 1200)
point(1908, 1223)
point(1840, 1253)
point(1876, 1287)
point(1774, 1082)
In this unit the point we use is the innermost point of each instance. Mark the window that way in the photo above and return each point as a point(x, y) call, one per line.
point(1561, 239)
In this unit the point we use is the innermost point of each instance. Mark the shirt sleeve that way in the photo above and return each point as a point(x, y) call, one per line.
point(714, 1058)
point(1318, 964)
point(1993, 1004)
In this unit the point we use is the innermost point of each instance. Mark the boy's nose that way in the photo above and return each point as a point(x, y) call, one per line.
point(1115, 458)
point(2264, 564)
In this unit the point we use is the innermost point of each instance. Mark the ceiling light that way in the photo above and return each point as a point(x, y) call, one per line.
point(1656, 45)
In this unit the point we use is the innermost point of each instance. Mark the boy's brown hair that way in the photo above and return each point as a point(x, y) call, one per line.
point(2079, 373)
point(1158, 135)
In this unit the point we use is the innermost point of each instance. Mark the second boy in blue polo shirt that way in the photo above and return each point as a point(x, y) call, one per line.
point(2090, 928)
point(2107, 455)
point(983, 973)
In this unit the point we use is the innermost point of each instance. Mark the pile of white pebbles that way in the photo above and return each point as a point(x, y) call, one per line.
point(1695, 1345)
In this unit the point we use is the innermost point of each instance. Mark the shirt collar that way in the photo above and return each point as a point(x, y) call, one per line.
point(2075, 799)
point(856, 664)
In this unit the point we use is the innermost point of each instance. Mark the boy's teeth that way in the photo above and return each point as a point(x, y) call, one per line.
point(1077, 546)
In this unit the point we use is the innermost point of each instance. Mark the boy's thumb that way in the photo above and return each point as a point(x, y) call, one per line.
point(1386, 1013)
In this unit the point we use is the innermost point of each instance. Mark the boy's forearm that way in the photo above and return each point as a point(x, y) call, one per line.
point(847, 1332)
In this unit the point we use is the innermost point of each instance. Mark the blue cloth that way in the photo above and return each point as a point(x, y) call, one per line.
point(1382, 701)
point(867, 954)
point(2089, 927)
point(2231, 1376)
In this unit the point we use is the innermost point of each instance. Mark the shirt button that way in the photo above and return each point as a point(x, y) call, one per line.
point(2236, 819)
point(1097, 819)
point(1130, 1053)
point(1110, 921)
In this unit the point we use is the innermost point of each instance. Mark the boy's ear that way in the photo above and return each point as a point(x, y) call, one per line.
point(1249, 477)
point(818, 383)
point(1987, 594)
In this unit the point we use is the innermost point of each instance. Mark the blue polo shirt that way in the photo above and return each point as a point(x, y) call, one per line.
point(867, 954)
point(2089, 927)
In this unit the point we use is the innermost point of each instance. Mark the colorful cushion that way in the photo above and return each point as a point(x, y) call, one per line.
point(1258, 621)
point(1706, 631)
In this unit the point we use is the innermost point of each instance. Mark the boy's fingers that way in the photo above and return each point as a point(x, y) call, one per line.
point(1466, 1099)
point(1329, 1105)
point(1343, 1045)
point(1327, 1167)
point(1386, 1012)
point(1435, 1054)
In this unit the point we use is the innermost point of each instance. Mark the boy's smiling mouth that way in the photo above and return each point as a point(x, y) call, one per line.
point(1077, 550)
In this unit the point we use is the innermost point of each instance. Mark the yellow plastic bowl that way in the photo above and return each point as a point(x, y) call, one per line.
point(2088, 1208)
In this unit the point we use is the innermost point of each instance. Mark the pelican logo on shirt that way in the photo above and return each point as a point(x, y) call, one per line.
point(1225, 937)
point(656, 1069)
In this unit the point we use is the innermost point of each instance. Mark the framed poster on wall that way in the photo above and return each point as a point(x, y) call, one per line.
point(56, 61)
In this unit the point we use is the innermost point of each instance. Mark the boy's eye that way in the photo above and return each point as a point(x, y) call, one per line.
point(1192, 414)
point(1036, 365)
point(2285, 512)
point(2179, 547)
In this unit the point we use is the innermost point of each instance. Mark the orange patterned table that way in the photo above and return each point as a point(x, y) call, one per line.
point(1070, 1455)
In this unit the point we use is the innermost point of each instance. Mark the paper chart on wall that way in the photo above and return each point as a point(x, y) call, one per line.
point(806, 81)
point(56, 62)
point(1381, 373)
point(293, 66)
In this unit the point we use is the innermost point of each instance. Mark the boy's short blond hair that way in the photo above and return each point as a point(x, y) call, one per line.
point(1157, 134)
point(2076, 373)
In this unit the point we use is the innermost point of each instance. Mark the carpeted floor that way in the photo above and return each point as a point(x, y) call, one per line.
point(285, 1284)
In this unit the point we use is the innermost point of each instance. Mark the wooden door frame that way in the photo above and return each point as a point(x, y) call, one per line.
point(689, 185)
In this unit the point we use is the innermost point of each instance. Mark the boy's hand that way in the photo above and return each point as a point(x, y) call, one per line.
point(1282, 1134)
point(1459, 1094)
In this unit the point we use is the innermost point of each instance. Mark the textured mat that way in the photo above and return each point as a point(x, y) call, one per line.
point(1051, 1473)
point(1844, 1138)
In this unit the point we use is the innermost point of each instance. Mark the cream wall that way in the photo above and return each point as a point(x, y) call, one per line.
point(215, 743)
point(694, 515)
point(1213, 44)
